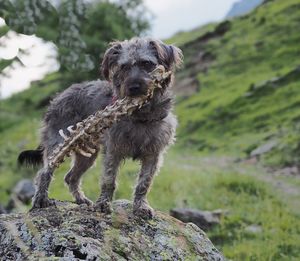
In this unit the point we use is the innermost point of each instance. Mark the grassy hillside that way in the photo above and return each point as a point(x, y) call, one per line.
point(184, 37)
point(249, 85)
point(248, 75)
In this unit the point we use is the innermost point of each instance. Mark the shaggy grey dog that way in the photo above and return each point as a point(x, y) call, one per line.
point(143, 136)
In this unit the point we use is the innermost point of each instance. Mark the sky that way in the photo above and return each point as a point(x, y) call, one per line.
point(169, 17)
point(172, 16)
point(16, 77)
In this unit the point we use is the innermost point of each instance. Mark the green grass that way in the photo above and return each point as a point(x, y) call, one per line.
point(20, 121)
point(184, 37)
point(223, 116)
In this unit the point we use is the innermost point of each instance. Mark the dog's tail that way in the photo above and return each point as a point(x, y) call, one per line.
point(31, 157)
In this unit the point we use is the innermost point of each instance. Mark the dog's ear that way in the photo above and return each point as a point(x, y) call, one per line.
point(168, 55)
point(110, 59)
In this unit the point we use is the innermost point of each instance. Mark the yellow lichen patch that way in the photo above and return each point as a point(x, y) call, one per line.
point(119, 217)
point(181, 242)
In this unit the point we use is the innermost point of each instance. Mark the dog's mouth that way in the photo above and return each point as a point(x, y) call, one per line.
point(135, 93)
point(134, 90)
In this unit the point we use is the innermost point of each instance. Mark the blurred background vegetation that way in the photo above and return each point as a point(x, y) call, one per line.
point(238, 106)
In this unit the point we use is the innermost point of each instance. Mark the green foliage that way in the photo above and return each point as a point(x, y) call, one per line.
point(114, 24)
point(19, 127)
point(81, 30)
point(184, 37)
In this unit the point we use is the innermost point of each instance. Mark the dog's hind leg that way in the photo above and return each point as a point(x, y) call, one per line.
point(80, 166)
point(43, 179)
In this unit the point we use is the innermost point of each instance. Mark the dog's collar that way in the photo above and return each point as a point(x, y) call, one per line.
point(115, 98)
point(151, 120)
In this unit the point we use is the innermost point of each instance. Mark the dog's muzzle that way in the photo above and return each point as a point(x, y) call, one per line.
point(137, 87)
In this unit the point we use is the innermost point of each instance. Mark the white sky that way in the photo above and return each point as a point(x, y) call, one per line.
point(40, 59)
point(170, 16)
point(177, 15)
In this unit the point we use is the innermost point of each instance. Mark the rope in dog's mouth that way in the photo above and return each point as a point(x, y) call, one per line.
point(85, 137)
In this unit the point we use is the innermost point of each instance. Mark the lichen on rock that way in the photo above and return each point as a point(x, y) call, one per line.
point(72, 232)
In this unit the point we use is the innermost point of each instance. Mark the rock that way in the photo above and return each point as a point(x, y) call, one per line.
point(24, 190)
point(186, 86)
point(288, 171)
point(72, 232)
point(2, 210)
point(253, 229)
point(203, 219)
point(263, 149)
point(21, 196)
point(251, 161)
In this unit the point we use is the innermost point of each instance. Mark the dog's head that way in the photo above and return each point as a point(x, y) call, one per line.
point(127, 64)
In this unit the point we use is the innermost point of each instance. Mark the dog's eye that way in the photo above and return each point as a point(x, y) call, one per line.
point(147, 65)
point(124, 66)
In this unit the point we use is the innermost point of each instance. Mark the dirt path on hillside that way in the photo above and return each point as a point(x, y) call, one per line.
point(287, 190)
point(281, 185)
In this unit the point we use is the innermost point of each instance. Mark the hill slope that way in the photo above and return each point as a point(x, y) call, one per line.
point(247, 72)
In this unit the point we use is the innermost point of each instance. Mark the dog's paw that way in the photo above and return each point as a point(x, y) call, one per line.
point(84, 200)
point(42, 202)
point(103, 206)
point(143, 210)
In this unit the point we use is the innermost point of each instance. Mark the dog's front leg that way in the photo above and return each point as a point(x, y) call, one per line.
point(108, 182)
point(150, 166)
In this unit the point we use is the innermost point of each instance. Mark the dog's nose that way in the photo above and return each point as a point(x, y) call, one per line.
point(135, 88)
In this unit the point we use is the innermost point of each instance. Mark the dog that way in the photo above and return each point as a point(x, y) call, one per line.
point(144, 135)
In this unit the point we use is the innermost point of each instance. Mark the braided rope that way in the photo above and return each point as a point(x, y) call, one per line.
point(85, 137)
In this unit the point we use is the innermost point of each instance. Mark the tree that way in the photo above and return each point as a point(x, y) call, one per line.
point(80, 29)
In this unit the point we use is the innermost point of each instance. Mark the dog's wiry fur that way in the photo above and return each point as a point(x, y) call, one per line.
point(143, 136)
